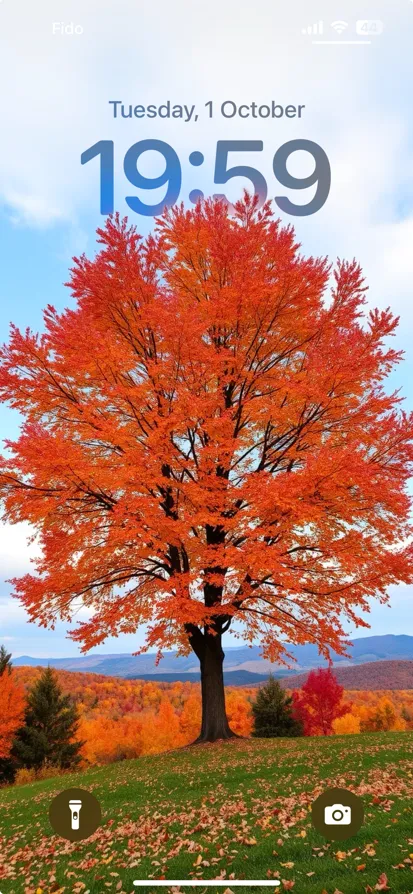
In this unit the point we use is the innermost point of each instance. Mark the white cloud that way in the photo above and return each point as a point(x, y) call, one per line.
point(358, 107)
point(32, 210)
point(11, 613)
point(15, 549)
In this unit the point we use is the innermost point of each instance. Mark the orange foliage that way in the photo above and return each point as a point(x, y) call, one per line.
point(348, 723)
point(122, 718)
point(190, 718)
point(12, 705)
point(239, 712)
point(163, 731)
point(206, 421)
point(381, 716)
point(107, 740)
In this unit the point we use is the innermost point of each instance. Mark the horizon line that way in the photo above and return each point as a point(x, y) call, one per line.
point(172, 651)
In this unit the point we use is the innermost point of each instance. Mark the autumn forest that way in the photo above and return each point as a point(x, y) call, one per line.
point(121, 719)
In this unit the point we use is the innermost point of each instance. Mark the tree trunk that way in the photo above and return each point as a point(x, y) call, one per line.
point(214, 719)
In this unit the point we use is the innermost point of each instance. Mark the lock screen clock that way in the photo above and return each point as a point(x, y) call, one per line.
point(171, 178)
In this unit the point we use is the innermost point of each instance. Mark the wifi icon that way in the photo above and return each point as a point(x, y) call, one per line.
point(339, 26)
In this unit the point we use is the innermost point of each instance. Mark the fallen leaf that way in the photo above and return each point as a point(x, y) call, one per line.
point(382, 883)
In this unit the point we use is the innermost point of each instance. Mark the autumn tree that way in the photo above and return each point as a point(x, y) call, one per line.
point(163, 732)
point(319, 702)
point(383, 717)
point(273, 712)
point(48, 734)
point(105, 739)
point(190, 718)
point(239, 712)
point(12, 705)
point(207, 438)
point(406, 716)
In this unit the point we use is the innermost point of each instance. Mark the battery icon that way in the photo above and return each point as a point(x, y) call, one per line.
point(369, 27)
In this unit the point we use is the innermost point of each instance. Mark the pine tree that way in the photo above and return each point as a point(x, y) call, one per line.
point(5, 661)
point(50, 726)
point(273, 714)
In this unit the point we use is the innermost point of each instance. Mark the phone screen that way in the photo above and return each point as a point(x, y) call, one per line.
point(206, 636)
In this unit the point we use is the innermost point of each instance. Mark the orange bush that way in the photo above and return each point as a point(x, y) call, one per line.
point(239, 712)
point(348, 723)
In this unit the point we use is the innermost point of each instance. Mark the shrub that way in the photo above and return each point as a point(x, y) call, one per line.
point(346, 724)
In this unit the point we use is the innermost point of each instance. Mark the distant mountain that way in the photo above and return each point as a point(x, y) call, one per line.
point(231, 678)
point(248, 659)
point(374, 675)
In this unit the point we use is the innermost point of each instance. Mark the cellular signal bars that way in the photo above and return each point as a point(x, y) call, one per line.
point(315, 30)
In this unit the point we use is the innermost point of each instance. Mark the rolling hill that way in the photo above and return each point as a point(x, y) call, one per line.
point(231, 678)
point(247, 659)
point(372, 676)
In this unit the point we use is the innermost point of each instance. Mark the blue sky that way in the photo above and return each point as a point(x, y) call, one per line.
point(357, 107)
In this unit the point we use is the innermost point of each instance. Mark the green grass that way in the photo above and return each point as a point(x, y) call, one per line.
point(240, 807)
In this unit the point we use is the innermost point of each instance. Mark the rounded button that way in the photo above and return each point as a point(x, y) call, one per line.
point(337, 814)
point(75, 814)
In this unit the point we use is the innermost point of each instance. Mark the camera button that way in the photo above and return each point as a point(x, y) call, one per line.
point(337, 814)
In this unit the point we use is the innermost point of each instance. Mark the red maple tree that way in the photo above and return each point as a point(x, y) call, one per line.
point(319, 702)
point(206, 438)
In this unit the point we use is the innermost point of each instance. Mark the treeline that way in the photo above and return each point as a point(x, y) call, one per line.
point(99, 720)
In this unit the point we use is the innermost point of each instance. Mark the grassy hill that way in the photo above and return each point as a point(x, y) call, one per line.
point(240, 807)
